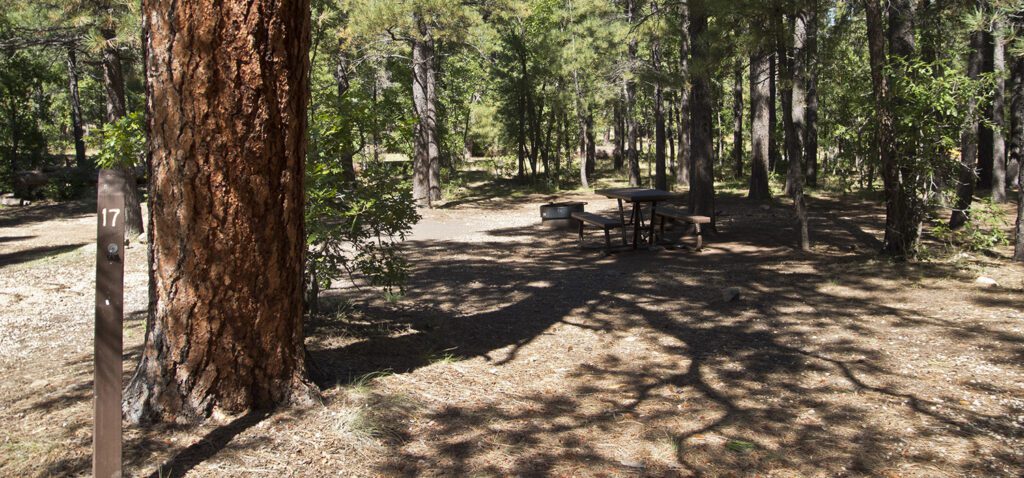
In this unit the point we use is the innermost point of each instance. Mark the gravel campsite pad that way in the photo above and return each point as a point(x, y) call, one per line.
point(514, 353)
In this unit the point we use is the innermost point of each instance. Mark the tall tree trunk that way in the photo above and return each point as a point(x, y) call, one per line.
point(799, 110)
point(760, 126)
point(590, 158)
point(1017, 148)
point(341, 79)
point(904, 209)
point(791, 147)
point(660, 177)
point(632, 156)
point(998, 117)
point(433, 150)
point(811, 114)
point(774, 155)
point(422, 135)
point(76, 109)
point(985, 133)
point(683, 119)
point(702, 181)
point(737, 119)
point(620, 140)
point(113, 85)
point(968, 177)
point(227, 128)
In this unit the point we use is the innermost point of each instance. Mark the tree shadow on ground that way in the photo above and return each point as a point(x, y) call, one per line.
point(805, 373)
point(26, 215)
point(35, 253)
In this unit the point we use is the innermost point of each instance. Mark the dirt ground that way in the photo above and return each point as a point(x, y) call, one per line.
point(514, 353)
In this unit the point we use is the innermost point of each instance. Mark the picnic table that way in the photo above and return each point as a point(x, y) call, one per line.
point(638, 196)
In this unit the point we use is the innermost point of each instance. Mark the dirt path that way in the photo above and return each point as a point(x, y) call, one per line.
point(515, 354)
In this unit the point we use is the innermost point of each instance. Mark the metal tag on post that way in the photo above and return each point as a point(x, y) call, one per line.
point(106, 457)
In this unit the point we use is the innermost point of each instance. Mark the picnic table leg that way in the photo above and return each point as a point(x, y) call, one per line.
point(650, 238)
point(636, 224)
point(622, 217)
point(581, 233)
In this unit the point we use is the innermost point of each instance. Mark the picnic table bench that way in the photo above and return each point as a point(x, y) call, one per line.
point(668, 213)
point(604, 223)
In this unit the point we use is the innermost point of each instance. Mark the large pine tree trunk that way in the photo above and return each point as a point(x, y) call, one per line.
point(683, 119)
point(76, 109)
point(969, 141)
point(998, 118)
point(433, 149)
point(702, 180)
point(113, 85)
point(737, 120)
point(760, 126)
point(227, 128)
point(799, 112)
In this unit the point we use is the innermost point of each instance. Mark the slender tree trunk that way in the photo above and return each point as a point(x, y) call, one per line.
point(969, 141)
point(1017, 148)
point(799, 110)
point(683, 120)
point(702, 182)
point(620, 140)
point(590, 157)
point(660, 177)
point(811, 113)
point(760, 126)
point(737, 119)
point(433, 150)
point(341, 79)
point(670, 128)
point(76, 110)
point(632, 156)
point(421, 136)
point(904, 209)
point(225, 321)
point(774, 155)
point(998, 118)
point(789, 140)
point(986, 135)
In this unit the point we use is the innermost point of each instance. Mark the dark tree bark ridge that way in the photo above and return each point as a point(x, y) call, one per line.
point(227, 149)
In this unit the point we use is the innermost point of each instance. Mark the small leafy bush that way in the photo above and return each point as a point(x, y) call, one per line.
point(121, 143)
point(354, 228)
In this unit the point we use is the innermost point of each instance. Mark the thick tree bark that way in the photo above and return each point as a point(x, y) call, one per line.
point(683, 164)
point(998, 118)
point(76, 110)
point(799, 111)
point(434, 150)
point(760, 126)
point(968, 177)
point(227, 128)
point(702, 181)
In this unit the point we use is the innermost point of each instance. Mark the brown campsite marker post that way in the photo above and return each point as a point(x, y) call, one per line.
point(106, 442)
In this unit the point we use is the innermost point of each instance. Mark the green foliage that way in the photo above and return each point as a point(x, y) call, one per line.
point(120, 144)
point(985, 231)
point(355, 228)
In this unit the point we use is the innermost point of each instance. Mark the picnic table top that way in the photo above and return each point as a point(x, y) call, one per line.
point(638, 194)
